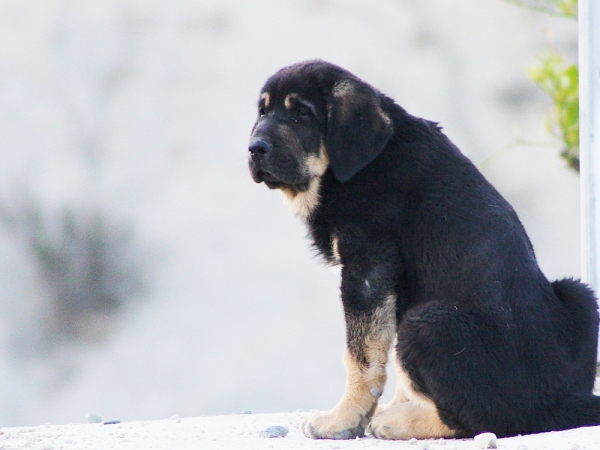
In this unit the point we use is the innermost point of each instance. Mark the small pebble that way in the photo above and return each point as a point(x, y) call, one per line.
point(274, 432)
point(111, 422)
point(176, 419)
point(412, 441)
point(486, 440)
point(93, 418)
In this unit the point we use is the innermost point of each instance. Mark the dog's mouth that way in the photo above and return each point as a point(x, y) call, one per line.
point(273, 182)
point(269, 179)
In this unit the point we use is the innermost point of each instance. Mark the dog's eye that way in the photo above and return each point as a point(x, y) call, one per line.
point(302, 111)
point(261, 111)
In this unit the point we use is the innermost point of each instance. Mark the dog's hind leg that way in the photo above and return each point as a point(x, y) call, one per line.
point(450, 373)
point(409, 414)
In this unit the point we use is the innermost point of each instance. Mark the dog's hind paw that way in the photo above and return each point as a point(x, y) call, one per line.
point(409, 420)
point(335, 425)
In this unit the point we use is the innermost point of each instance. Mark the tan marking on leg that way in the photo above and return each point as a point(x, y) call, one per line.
point(410, 414)
point(410, 420)
point(405, 390)
point(266, 97)
point(400, 394)
point(364, 385)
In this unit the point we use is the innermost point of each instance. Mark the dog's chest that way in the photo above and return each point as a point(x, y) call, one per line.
point(327, 241)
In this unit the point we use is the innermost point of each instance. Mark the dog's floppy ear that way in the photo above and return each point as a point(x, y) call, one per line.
point(357, 127)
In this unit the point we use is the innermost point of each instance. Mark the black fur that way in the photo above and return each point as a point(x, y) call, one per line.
point(481, 331)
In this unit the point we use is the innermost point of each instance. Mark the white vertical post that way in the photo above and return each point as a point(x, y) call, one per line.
point(589, 144)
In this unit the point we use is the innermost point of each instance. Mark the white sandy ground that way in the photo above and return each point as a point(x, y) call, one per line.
point(243, 432)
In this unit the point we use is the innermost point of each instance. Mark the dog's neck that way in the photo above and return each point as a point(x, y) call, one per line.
point(303, 204)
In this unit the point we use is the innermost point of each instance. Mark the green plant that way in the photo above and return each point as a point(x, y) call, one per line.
point(563, 8)
point(561, 82)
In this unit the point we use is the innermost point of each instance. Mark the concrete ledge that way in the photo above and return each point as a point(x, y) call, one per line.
point(242, 432)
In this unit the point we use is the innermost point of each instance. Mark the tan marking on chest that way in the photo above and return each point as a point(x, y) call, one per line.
point(335, 250)
point(303, 203)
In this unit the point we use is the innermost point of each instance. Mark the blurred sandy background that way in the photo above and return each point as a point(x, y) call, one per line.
point(138, 113)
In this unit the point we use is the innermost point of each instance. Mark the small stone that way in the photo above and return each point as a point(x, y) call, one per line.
point(486, 440)
point(111, 422)
point(93, 418)
point(176, 419)
point(413, 441)
point(274, 432)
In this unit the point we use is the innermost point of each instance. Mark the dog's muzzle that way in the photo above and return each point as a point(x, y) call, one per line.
point(258, 149)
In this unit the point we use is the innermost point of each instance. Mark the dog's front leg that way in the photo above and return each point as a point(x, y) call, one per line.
point(369, 308)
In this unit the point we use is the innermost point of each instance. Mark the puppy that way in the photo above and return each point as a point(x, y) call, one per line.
point(434, 259)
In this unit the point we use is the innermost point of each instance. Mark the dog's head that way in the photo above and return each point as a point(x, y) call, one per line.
point(313, 115)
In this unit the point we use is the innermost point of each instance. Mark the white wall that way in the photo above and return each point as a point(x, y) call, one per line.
point(145, 107)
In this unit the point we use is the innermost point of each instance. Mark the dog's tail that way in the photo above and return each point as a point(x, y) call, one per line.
point(580, 319)
point(580, 312)
point(576, 294)
point(579, 410)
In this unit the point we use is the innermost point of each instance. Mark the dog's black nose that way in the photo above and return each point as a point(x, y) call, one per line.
point(259, 147)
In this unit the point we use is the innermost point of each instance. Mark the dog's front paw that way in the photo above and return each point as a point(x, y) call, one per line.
point(336, 424)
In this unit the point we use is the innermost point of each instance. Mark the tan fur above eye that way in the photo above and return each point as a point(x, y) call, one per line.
point(266, 98)
point(288, 100)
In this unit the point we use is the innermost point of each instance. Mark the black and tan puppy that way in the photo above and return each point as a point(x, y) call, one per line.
point(432, 258)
